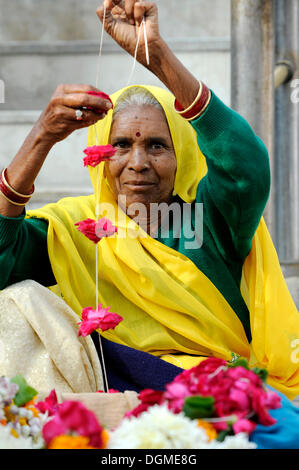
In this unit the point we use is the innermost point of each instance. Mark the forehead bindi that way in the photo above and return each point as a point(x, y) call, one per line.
point(141, 123)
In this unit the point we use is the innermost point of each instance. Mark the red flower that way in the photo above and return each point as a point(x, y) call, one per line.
point(50, 404)
point(96, 230)
point(100, 94)
point(96, 154)
point(152, 397)
point(111, 390)
point(138, 410)
point(100, 318)
point(72, 417)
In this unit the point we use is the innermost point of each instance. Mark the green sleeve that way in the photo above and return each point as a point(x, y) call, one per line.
point(23, 251)
point(236, 187)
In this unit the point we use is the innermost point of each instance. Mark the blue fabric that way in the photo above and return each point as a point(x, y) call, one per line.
point(129, 369)
point(284, 434)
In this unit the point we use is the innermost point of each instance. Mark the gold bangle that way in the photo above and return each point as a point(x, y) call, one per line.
point(202, 110)
point(195, 101)
point(13, 190)
point(12, 202)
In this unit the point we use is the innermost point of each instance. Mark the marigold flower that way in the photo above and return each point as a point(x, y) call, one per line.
point(209, 428)
point(70, 442)
point(96, 154)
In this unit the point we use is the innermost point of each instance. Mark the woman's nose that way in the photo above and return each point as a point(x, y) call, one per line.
point(138, 160)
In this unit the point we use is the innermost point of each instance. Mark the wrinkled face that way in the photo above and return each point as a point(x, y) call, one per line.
point(144, 166)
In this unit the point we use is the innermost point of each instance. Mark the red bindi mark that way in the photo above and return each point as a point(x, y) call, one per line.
point(138, 134)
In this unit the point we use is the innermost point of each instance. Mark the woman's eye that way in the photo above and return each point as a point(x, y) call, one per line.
point(122, 144)
point(157, 146)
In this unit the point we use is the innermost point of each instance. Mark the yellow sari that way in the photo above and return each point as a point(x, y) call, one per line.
point(170, 308)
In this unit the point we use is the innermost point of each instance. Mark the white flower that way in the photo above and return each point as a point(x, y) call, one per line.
point(159, 428)
point(239, 441)
point(8, 441)
point(8, 390)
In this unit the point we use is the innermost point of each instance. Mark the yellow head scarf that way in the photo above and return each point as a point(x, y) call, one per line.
point(156, 289)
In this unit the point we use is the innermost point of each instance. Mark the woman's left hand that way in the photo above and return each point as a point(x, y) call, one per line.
point(122, 21)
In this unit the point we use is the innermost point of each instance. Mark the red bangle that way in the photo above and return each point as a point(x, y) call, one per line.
point(10, 194)
point(198, 107)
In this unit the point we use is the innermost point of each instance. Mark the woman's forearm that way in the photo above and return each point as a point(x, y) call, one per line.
point(170, 70)
point(24, 168)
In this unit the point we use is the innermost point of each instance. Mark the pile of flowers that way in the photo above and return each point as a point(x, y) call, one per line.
point(215, 405)
point(21, 422)
point(226, 399)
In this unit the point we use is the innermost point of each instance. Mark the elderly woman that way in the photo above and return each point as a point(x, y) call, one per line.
point(197, 278)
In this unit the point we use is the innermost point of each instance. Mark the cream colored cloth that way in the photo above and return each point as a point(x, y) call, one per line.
point(109, 408)
point(39, 339)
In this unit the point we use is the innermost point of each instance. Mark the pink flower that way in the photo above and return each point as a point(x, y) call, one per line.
point(96, 154)
point(73, 417)
point(175, 394)
point(259, 397)
point(236, 391)
point(244, 425)
point(272, 400)
point(111, 390)
point(88, 228)
point(104, 228)
point(99, 318)
point(50, 404)
point(96, 230)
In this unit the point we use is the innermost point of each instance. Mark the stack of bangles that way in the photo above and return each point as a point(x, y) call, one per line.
point(10, 194)
point(198, 106)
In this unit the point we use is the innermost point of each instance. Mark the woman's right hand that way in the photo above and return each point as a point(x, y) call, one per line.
point(59, 120)
point(122, 21)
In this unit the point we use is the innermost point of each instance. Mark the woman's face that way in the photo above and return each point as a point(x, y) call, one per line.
point(144, 166)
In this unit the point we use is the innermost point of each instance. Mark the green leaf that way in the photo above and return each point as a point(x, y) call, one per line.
point(262, 373)
point(241, 362)
point(197, 407)
point(222, 435)
point(25, 393)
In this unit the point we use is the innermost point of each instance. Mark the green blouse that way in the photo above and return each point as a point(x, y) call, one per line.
point(232, 197)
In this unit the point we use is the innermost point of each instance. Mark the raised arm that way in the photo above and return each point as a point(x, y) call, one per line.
point(238, 177)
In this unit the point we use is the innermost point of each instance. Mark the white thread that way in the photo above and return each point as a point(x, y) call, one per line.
point(97, 211)
point(135, 56)
point(101, 47)
point(145, 41)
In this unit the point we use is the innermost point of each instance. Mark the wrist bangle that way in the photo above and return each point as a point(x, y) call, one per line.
point(179, 108)
point(202, 109)
point(10, 194)
point(198, 106)
point(4, 178)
